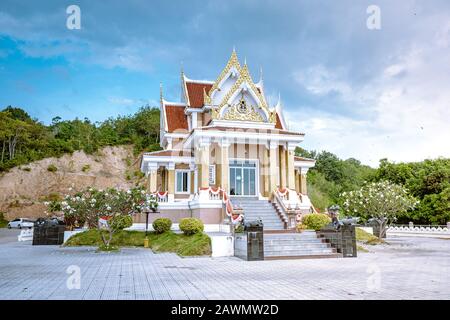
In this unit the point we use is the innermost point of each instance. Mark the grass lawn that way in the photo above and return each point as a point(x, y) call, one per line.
point(367, 238)
point(195, 245)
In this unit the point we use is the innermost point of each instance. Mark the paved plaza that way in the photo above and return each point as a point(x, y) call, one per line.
point(408, 268)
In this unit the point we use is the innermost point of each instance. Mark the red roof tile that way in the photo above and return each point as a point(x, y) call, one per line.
point(176, 119)
point(195, 93)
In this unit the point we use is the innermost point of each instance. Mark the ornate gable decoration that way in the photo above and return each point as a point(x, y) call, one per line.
point(242, 111)
point(232, 62)
point(223, 107)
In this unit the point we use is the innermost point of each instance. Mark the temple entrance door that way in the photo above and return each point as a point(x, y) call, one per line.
point(243, 178)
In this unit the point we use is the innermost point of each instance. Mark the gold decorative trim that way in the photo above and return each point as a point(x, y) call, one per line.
point(206, 98)
point(245, 77)
point(233, 113)
point(232, 62)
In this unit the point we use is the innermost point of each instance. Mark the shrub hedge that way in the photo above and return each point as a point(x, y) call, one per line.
point(316, 221)
point(162, 225)
point(191, 226)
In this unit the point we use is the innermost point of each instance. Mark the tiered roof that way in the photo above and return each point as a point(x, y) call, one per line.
point(198, 94)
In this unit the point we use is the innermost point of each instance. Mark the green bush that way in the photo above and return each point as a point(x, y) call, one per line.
point(316, 221)
point(121, 222)
point(162, 225)
point(191, 226)
point(52, 168)
point(3, 221)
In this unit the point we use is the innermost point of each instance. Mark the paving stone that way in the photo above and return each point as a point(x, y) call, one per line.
point(408, 268)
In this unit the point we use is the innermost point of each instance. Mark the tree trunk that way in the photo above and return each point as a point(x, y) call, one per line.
point(3, 150)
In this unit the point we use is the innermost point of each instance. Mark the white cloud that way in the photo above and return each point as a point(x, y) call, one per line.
point(408, 114)
point(121, 101)
point(320, 80)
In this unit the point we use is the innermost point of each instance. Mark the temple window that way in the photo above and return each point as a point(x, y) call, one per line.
point(182, 181)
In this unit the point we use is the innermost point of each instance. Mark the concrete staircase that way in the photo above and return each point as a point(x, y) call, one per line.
point(280, 243)
point(255, 209)
point(296, 246)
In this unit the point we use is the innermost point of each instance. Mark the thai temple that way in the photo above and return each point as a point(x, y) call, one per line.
point(227, 155)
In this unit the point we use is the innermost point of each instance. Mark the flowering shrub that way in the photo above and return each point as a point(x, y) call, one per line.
point(103, 209)
point(152, 202)
point(383, 201)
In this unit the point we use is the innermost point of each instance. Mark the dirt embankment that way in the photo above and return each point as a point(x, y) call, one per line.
point(24, 189)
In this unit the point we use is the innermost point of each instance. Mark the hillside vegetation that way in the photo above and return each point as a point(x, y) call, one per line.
point(23, 139)
point(428, 181)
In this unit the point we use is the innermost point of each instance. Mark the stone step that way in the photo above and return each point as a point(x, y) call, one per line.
point(254, 205)
point(288, 241)
point(297, 248)
point(296, 252)
point(292, 236)
point(261, 213)
point(306, 256)
point(264, 220)
point(292, 241)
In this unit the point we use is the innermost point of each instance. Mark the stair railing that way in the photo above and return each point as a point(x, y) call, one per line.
point(283, 212)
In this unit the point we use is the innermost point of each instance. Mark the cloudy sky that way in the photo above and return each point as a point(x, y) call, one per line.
point(367, 94)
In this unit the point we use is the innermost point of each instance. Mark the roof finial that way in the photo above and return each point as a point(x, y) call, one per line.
point(234, 48)
point(278, 105)
point(260, 74)
point(161, 97)
point(182, 67)
point(245, 60)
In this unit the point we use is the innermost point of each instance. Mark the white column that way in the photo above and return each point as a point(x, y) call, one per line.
point(171, 182)
point(152, 171)
point(193, 177)
point(224, 144)
point(290, 180)
point(273, 170)
point(194, 119)
point(202, 161)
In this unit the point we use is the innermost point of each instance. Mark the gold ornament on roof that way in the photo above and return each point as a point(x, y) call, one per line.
point(241, 111)
point(206, 98)
point(232, 62)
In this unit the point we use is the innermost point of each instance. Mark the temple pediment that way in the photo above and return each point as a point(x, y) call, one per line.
point(234, 96)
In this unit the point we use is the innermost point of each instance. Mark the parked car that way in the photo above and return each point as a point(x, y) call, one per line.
point(21, 223)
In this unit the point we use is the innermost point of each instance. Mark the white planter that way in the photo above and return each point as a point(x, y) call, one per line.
point(222, 245)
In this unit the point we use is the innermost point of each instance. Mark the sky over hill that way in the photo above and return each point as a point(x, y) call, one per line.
point(356, 92)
